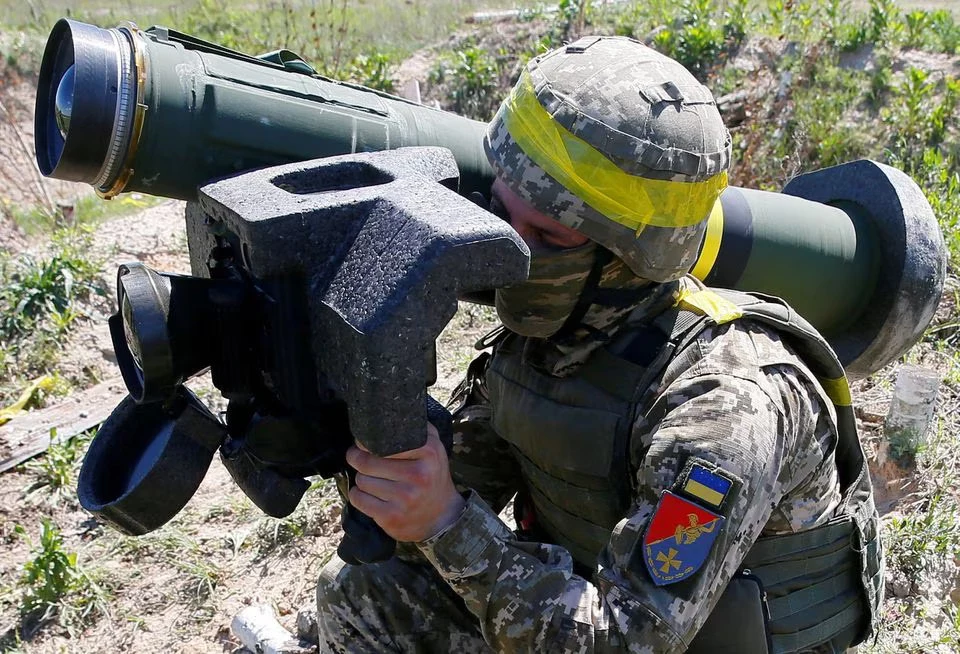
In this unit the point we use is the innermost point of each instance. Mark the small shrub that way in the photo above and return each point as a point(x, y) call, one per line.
point(916, 22)
point(819, 128)
point(885, 28)
point(40, 301)
point(54, 585)
point(42, 291)
point(373, 71)
point(923, 535)
point(571, 18)
point(944, 32)
point(938, 174)
point(56, 468)
point(472, 77)
point(920, 116)
point(836, 24)
point(879, 81)
point(851, 36)
point(696, 40)
point(736, 21)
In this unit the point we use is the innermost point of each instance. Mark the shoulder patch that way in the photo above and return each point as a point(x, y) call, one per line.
point(678, 538)
point(707, 484)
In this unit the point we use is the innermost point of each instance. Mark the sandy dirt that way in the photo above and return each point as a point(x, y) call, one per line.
point(178, 588)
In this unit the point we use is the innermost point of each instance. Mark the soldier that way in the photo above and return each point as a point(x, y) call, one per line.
point(685, 461)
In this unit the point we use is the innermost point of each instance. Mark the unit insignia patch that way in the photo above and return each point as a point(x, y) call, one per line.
point(678, 538)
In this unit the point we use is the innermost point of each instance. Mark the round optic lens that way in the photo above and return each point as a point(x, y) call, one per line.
point(64, 101)
point(133, 343)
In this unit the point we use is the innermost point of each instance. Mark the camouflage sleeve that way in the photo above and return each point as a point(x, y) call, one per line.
point(480, 460)
point(527, 597)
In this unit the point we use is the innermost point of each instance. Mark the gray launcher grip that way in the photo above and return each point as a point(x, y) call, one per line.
point(385, 247)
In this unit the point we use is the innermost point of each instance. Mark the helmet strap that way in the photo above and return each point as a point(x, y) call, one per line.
point(601, 258)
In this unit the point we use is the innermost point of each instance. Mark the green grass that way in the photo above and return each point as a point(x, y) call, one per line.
point(470, 77)
point(55, 470)
point(175, 546)
point(41, 292)
point(271, 534)
point(922, 543)
point(86, 210)
point(40, 301)
point(331, 34)
point(54, 587)
point(823, 113)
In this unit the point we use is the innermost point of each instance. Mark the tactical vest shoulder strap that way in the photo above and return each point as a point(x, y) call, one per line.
point(695, 311)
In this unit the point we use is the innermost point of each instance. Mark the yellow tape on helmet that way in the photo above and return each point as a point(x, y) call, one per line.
point(711, 243)
point(627, 199)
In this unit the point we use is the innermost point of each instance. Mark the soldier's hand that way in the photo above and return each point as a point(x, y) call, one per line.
point(411, 494)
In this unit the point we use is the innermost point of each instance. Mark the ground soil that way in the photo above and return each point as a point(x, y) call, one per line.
point(178, 588)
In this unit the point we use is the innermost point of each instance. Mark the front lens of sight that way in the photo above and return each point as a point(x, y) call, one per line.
point(87, 77)
point(63, 104)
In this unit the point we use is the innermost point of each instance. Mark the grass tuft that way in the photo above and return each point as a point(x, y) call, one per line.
point(41, 299)
point(54, 587)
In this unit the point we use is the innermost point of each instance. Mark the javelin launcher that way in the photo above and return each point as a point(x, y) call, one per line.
point(855, 248)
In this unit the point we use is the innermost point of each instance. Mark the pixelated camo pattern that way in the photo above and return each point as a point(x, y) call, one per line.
point(659, 254)
point(540, 306)
point(562, 356)
point(737, 397)
point(643, 111)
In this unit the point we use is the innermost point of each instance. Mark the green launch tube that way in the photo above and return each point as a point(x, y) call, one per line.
point(781, 245)
point(855, 248)
point(162, 112)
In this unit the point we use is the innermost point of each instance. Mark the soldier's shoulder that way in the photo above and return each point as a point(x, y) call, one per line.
point(742, 347)
point(746, 350)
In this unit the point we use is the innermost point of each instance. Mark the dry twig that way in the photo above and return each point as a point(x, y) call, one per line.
point(42, 193)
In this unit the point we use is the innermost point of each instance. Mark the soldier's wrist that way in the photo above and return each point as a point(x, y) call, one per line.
point(455, 549)
point(455, 508)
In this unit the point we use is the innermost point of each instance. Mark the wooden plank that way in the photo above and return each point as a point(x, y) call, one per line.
point(29, 435)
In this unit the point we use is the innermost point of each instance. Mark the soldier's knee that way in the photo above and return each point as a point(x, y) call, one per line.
point(334, 610)
point(330, 586)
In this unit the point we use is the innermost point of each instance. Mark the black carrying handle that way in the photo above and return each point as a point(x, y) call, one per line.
point(363, 540)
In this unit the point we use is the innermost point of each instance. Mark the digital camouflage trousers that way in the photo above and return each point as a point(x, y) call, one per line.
point(400, 605)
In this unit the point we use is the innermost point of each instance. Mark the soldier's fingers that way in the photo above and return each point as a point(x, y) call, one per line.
point(382, 489)
point(366, 503)
point(392, 469)
point(429, 449)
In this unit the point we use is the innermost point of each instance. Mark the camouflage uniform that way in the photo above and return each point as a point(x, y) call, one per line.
point(735, 397)
point(738, 398)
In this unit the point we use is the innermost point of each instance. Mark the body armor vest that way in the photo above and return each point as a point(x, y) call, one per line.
point(820, 584)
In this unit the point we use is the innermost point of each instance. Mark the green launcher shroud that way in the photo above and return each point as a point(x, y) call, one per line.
point(855, 249)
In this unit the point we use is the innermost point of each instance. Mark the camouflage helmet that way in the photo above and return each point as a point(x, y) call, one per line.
point(619, 142)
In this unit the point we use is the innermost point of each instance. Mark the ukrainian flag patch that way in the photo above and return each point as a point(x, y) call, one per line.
point(708, 486)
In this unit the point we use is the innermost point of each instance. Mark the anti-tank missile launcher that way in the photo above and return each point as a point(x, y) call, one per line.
point(855, 249)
